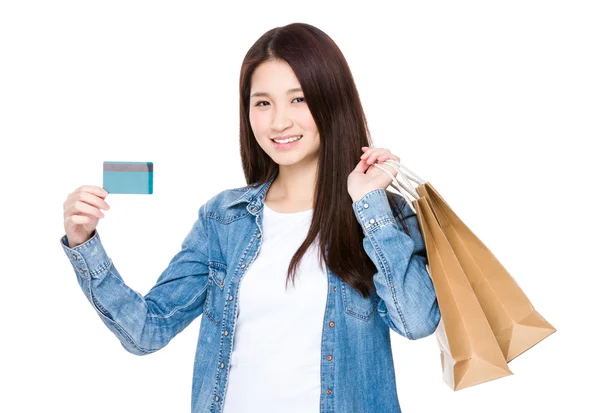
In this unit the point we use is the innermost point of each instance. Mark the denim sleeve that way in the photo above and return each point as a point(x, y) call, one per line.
point(407, 298)
point(145, 324)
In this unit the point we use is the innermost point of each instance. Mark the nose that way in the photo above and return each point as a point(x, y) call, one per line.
point(281, 120)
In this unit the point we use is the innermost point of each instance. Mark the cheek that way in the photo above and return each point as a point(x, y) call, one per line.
point(258, 123)
point(307, 122)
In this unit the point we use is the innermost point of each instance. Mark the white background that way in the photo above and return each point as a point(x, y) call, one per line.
point(495, 103)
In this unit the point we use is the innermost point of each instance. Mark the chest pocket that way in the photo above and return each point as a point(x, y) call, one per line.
point(215, 294)
point(356, 305)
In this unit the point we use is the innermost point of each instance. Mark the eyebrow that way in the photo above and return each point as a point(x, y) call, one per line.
point(266, 94)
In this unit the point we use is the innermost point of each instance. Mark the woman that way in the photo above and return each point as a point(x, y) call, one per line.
point(315, 212)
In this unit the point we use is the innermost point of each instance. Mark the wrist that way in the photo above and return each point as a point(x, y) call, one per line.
point(359, 195)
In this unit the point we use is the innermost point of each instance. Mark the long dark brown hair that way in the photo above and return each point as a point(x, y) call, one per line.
point(333, 100)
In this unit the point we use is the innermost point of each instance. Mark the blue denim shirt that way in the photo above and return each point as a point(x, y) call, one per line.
point(357, 370)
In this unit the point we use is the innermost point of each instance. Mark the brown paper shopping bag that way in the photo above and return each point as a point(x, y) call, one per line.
point(469, 351)
point(516, 324)
point(510, 315)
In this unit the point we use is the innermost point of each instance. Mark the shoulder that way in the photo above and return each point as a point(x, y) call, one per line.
point(227, 196)
point(219, 203)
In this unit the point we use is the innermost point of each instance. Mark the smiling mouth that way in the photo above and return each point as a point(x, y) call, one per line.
point(286, 141)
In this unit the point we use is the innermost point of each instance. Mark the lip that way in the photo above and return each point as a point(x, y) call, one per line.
point(286, 145)
point(286, 136)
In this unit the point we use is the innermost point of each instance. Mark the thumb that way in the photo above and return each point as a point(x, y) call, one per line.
point(361, 167)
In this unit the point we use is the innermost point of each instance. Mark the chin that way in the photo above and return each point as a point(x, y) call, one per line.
point(286, 159)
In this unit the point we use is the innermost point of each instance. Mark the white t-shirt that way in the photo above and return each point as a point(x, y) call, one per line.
point(276, 359)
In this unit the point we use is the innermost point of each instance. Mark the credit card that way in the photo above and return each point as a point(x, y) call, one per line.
point(128, 177)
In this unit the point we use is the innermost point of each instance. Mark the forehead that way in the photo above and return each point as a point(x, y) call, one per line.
point(272, 76)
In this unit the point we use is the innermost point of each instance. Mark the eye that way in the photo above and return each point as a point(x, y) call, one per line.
point(264, 101)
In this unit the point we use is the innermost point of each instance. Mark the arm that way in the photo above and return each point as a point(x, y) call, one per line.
point(408, 303)
point(145, 324)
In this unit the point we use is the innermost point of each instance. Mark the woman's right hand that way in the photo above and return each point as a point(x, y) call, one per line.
point(82, 213)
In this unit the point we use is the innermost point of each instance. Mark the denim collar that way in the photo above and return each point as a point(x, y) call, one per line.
point(254, 196)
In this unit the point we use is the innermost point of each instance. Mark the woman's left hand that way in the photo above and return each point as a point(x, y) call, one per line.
point(361, 183)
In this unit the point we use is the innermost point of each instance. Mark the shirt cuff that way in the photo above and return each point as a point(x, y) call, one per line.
point(373, 210)
point(88, 259)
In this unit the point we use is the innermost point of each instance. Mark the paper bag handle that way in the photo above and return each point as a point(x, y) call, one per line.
point(406, 175)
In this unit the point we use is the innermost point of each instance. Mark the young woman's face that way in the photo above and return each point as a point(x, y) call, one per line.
point(278, 110)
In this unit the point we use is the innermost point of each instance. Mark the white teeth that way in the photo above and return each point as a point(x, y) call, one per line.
point(295, 138)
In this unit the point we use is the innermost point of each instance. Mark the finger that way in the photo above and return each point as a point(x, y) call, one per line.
point(93, 217)
point(82, 207)
point(72, 212)
point(80, 219)
point(93, 200)
point(90, 198)
point(96, 190)
point(361, 167)
point(369, 153)
point(373, 154)
point(75, 207)
point(368, 150)
point(373, 158)
point(389, 168)
point(385, 157)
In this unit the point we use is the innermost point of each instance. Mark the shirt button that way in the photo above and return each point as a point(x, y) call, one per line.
point(328, 391)
point(258, 236)
point(74, 256)
point(331, 324)
point(372, 221)
point(81, 270)
point(226, 332)
point(365, 206)
point(329, 358)
point(230, 297)
point(334, 289)
point(222, 365)
point(243, 265)
point(217, 398)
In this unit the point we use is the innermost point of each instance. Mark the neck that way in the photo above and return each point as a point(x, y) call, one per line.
point(294, 183)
